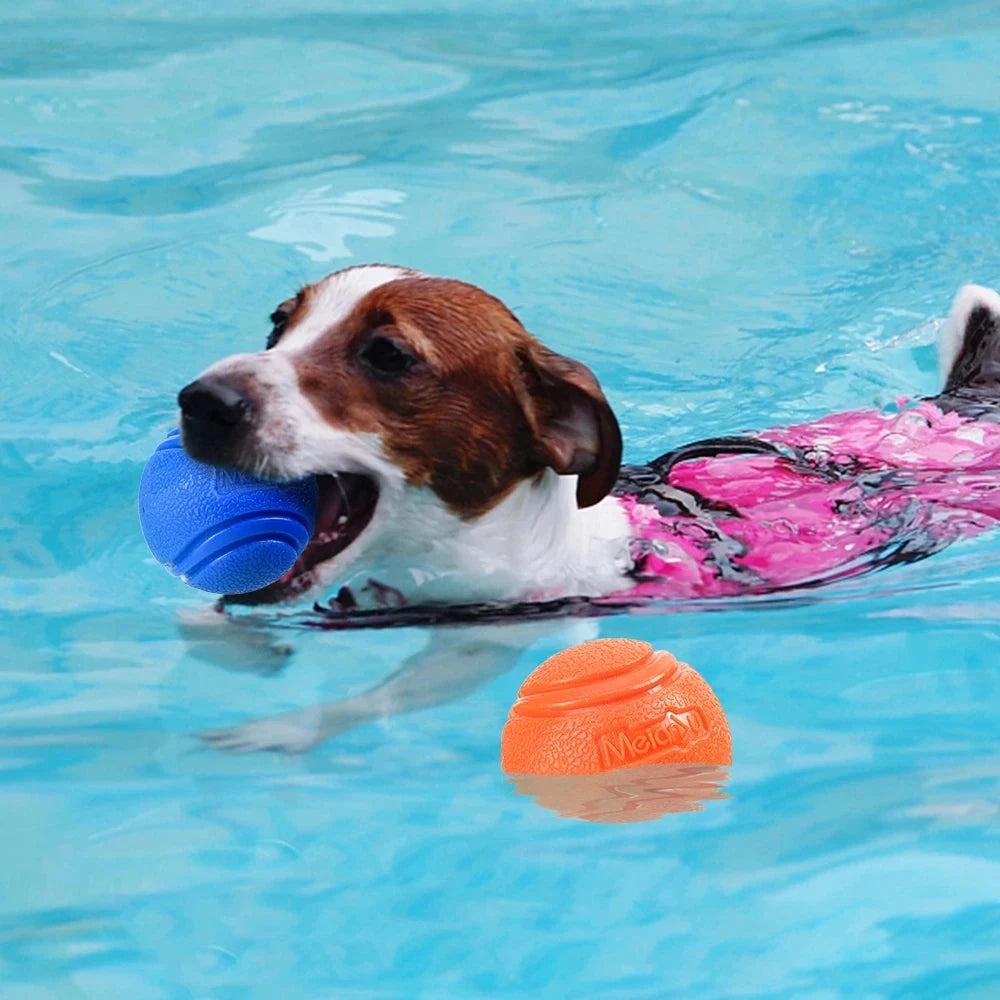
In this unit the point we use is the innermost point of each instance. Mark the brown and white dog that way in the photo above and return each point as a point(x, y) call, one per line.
point(460, 461)
point(458, 458)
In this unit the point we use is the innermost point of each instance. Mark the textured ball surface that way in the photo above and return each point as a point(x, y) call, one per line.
point(613, 703)
point(218, 530)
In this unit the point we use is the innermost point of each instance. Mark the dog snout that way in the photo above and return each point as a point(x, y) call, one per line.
point(216, 418)
point(214, 405)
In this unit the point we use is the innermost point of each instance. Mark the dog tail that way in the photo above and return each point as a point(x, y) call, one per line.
point(969, 350)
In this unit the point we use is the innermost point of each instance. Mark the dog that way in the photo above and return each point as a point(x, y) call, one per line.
point(461, 462)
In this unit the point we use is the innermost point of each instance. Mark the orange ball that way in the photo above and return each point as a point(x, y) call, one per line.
point(613, 703)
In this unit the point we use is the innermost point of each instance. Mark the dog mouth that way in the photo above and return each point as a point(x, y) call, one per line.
point(346, 505)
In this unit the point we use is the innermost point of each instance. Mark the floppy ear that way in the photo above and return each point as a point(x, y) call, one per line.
point(574, 428)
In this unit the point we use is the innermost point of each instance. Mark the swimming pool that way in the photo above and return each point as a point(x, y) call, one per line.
point(740, 216)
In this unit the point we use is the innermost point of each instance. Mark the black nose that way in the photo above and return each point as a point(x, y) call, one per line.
point(213, 403)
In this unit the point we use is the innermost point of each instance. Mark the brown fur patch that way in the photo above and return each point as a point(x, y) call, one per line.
point(476, 414)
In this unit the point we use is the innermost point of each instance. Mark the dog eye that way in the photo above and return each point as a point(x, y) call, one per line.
point(279, 320)
point(386, 357)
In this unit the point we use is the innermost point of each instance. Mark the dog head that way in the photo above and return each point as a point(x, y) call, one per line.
point(389, 385)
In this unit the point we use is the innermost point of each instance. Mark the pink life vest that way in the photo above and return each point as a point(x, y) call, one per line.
point(808, 504)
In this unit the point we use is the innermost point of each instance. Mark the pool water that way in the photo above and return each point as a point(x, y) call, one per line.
point(738, 214)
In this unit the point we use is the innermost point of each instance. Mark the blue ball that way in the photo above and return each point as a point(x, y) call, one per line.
point(218, 530)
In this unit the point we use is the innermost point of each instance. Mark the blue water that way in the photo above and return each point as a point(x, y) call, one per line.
point(739, 214)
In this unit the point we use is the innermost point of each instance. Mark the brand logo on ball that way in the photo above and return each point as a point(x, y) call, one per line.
point(678, 729)
point(227, 480)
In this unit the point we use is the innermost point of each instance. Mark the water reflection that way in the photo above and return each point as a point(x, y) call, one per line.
point(628, 794)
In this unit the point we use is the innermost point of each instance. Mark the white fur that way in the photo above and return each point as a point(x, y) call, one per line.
point(534, 545)
point(334, 298)
point(953, 333)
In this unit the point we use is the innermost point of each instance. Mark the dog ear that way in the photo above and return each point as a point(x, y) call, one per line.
point(574, 429)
